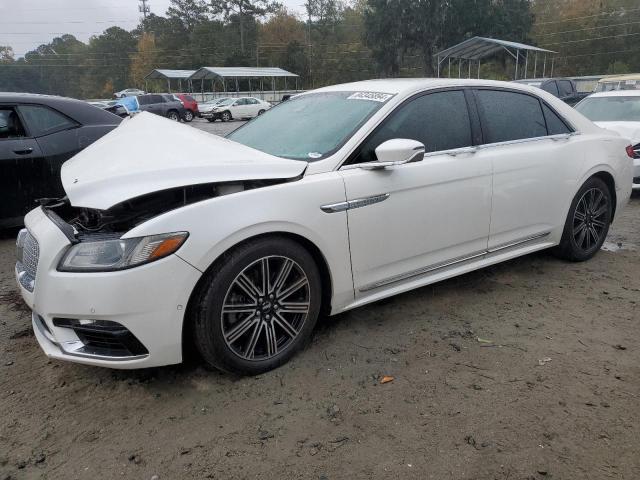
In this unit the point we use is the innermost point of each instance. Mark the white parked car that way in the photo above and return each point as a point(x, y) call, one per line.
point(128, 92)
point(208, 106)
point(238, 108)
point(337, 198)
point(617, 110)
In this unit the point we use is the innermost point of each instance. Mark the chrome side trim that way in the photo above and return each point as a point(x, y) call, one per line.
point(504, 246)
point(449, 263)
point(357, 203)
point(421, 271)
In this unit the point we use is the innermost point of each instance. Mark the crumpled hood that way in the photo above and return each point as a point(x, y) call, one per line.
point(149, 153)
point(630, 130)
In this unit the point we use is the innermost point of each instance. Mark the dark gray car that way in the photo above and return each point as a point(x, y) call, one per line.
point(38, 133)
point(165, 105)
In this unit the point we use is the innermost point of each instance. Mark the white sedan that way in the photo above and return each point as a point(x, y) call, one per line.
point(128, 92)
point(335, 199)
point(619, 111)
point(237, 108)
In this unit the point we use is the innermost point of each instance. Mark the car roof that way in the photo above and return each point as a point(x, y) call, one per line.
point(79, 110)
point(620, 78)
point(616, 93)
point(410, 85)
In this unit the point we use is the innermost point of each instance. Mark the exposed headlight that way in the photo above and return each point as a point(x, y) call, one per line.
point(118, 254)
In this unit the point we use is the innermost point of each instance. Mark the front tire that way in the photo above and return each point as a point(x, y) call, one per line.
point(173, 115)
point(587, 223)
point(226, 116)
point(258, 307)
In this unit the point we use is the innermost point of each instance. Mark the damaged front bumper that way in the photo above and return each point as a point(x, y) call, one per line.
point(122, 319)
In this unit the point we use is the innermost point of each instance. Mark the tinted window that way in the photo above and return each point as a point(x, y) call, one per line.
point(439, 120)
point(144, 99)
point(241, 101)
point(157, 99)
point(565, 88)
point(43, 120)
point(510, 116)
point(10, 125)
point(555, 125)
point(189, 98)
point(550, 87)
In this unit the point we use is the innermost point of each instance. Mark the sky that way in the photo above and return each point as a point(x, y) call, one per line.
point(25, 24)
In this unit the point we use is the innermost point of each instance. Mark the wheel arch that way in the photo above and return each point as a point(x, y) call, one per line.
point(311, 247)
point(608, 179)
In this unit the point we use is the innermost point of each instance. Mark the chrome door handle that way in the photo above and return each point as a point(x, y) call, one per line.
point(24, 151)
point(462, 151)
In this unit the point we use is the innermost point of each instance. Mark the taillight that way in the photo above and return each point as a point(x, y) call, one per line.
point(630, 151)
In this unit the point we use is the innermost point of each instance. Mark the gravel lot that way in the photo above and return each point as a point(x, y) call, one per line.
point(526, 370)
point(217, 127)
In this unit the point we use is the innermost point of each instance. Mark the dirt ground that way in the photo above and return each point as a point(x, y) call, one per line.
point(526, 370)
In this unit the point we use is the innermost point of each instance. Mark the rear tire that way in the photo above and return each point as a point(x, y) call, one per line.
point(211, 120)
point(188, 116)
point(173, 115)
point(258, 306)
point(260, 112)
point(587, 223)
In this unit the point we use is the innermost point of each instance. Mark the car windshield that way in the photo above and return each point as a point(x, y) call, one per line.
point(310, 127)
point(611, 109)
point(226, 101)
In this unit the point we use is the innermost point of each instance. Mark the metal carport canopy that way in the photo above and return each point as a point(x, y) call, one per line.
point(164, 74)
point(477, 48)
point(239, 72)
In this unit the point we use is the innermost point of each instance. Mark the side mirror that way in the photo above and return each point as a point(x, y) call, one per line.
point(397, 151)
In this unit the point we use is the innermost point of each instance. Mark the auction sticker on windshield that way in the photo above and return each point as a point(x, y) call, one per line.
point(375, 96)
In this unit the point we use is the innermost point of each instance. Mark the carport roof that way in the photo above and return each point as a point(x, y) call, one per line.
point(239, 72)
point(477, 48)
point(164, 74)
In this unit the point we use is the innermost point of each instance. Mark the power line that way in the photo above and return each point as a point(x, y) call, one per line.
point(589, 28)
point(593, 39)
point(601, 14)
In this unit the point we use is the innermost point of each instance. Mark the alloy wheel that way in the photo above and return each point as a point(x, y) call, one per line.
point(590, 219)
point(188, 116)
point(265, 308)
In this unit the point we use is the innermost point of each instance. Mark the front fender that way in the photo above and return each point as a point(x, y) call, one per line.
point(218, 224)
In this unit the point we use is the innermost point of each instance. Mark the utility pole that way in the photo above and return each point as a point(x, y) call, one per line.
point(143, 8)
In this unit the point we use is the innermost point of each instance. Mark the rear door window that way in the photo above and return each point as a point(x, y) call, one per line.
point(509, 116)
point(43, 120)
point(555, 125)
point(565, 88)
point(550, 87)
point(157, 99)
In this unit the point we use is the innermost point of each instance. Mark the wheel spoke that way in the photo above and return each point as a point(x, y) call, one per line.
point(265, 276)
point(241, 328)
point(581, 235)
point(272, 339)
point(594, 234)
point(297, 285)
point(294, 307)
point(251, 345)
point(596, 198)
point(285, 325)
point(248, 286)
point(598, 223)
point(579, 216)
point(239, 308)
point(283, 274)
point(601, 211)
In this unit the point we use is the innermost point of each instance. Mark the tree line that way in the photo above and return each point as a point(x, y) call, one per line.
point(334, 41)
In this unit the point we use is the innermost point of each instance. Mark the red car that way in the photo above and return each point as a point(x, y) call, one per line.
point(190, 106)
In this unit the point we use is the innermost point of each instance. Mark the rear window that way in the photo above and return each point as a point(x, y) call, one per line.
point(43, 120)
point(189, 98)
point(510, 116)
point(611, 109)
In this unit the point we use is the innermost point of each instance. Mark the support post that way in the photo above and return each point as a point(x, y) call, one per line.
point(169, 85)
point(535, 65)
point(449, 72)
point(459, 68)
point(517, 61)
point(438, 60)
point(544, 66)
point(469, 74)
point(526, 64)
point(553, 59)
point(478, 69)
